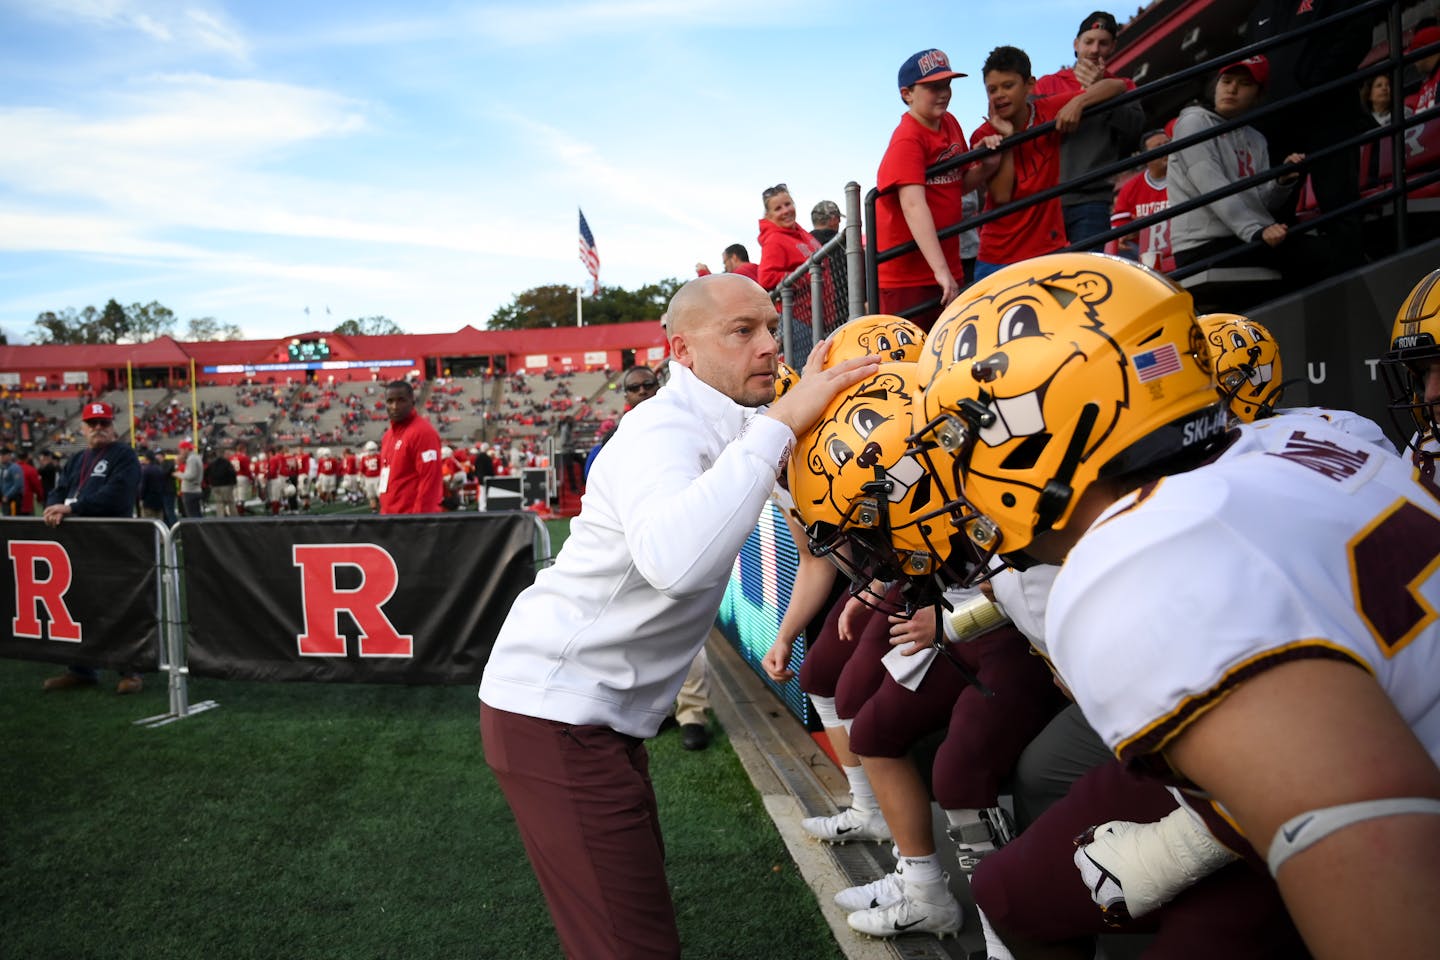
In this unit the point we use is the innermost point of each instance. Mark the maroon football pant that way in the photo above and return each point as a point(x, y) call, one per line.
point(584, 804)
point(1031, 890)
point(984, 734)
point(827, 656)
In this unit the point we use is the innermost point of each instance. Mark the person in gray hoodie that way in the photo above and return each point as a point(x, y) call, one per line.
point(191, 480)
point(1250, 215)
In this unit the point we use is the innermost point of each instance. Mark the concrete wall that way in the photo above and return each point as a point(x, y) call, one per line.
point(1331, 336)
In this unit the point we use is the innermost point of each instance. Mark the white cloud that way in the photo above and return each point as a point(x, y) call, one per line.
point(179, 22)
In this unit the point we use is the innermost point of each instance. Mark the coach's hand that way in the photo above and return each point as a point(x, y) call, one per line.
point(803, 403)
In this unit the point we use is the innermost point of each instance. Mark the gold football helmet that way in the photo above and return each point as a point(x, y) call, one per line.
point(855, 482)
point(1246, 359)
point(1414, 349)
point(893, 339)
point(1060, 371)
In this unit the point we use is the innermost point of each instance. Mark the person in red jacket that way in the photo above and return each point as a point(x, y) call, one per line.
point(409, 456)
point(33, 487)
point(784, 246)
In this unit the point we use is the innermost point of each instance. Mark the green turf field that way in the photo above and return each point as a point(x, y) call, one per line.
point(334, 821)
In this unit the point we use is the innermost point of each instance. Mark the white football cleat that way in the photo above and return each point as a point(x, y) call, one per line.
point(876, 893)
point(922, 908)
point(847, 825)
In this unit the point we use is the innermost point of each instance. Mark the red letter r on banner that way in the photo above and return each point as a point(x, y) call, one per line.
point(31, 592)
point(323, 600)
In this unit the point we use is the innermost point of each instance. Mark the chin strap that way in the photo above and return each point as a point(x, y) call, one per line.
point(1057, 493)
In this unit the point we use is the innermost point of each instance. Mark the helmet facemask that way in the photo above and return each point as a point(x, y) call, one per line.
point(1414, 348)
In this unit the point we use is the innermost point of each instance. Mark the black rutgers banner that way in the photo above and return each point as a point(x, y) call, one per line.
point(85, 592)
point(375, 599)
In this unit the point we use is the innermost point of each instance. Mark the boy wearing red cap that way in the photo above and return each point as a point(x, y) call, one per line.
point(1237, 220)
point(1426, 67)
point(912, 207)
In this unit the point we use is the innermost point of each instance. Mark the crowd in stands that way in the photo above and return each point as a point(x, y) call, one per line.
point(1253, 227)
point(289, 432)
point(26, 424)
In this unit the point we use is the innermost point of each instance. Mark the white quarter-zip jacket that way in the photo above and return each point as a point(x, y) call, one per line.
point(606, 634)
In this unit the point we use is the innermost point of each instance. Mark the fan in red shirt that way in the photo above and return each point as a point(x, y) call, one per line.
point(912, 207)
point(1141, 196)
point(409, 456)
point(1034, 165)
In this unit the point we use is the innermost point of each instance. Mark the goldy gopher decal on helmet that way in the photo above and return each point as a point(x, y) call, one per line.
point(890, 338)
point(1246, 359)
point(1061, 370)
point(853, 478)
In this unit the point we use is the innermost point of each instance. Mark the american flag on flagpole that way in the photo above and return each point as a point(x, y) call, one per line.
point(588, 256)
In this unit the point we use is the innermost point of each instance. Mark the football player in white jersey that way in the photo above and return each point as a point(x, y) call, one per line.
point(1079, 408)
point(1411, 370)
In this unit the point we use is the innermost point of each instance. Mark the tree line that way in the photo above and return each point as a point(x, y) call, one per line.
point(142, 322)
point(551, 305)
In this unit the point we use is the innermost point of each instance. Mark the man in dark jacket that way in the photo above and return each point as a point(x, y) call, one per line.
point(99, 481)
point(220, 478)
point(153, 481)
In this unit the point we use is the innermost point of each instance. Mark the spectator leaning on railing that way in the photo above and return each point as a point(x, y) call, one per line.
point(915, 207)
point(1236, 220)
point(784, 246)
point(1030, 167)
point(1099, 139)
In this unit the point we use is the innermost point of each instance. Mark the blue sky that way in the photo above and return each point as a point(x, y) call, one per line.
point(424, 161)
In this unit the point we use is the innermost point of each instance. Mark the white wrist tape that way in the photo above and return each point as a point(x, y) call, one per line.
point(973, 617)
point(1306, 829)
point(1151, 863)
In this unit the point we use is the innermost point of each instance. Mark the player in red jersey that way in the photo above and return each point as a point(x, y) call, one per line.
point(327, 474)
point(370, 474)
point(244, 476)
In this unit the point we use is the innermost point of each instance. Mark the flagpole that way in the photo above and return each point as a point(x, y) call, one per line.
point(579, 311)
point(130, 397)
point(194, 408)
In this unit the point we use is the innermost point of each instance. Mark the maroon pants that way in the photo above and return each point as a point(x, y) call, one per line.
point(987, 734)
point(827, 656)
point(582, 798)
point(1031, 890)
point(863, 671)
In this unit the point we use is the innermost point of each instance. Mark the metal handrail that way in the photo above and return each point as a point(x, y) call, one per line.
point(1394, 63)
